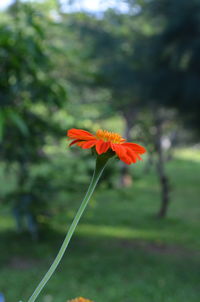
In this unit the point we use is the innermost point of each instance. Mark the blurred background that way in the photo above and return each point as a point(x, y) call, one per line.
point(131, 67)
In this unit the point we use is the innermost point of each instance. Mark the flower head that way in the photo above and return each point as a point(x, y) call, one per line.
point(104, 141)
point(80, 299)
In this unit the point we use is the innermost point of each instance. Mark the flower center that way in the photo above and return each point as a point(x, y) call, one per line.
point(109, 137)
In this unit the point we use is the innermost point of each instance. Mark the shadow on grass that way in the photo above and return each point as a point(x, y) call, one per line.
point(20, 252)
point(104, 268)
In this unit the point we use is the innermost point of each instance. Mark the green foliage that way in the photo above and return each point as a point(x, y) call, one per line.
point(25, 53)
point(112, 49)
point(28, 72)
point(174, 56)
point(30, 92)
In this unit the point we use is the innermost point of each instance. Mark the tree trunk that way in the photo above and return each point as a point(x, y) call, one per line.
point(149, 163)
point(164, 182)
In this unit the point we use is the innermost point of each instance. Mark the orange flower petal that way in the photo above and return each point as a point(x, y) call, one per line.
point(102, 147)
point(135, 147)
point(121, 153)
point(80, 299)
point(127, 152)
point(80, 134)
point(74, 142)
point(139, 157)
point(88, 144)
point(80, 143)
point(132, 154)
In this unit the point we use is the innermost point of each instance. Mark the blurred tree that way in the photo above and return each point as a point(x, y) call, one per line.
point(172, 68)
point(111, 45)
point(174, 57)
point(118, 46)
point(30, 91)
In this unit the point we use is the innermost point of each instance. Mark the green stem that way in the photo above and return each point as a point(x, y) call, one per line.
point(100, 165)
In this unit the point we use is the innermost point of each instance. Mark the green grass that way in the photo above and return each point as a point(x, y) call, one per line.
point(121, 252)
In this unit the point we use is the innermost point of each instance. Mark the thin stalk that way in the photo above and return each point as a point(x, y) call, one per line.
point(100, 165)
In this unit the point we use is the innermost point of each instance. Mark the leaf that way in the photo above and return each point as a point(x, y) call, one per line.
point(19, 122)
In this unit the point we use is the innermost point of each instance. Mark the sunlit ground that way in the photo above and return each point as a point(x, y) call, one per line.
point(121, 252)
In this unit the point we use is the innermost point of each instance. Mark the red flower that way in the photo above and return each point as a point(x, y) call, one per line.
point(103, 141)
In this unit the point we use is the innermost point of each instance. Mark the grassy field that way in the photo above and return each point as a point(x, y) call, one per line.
point(121, 252)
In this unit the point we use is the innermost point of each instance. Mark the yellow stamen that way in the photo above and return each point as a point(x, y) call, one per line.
point(109, 136)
